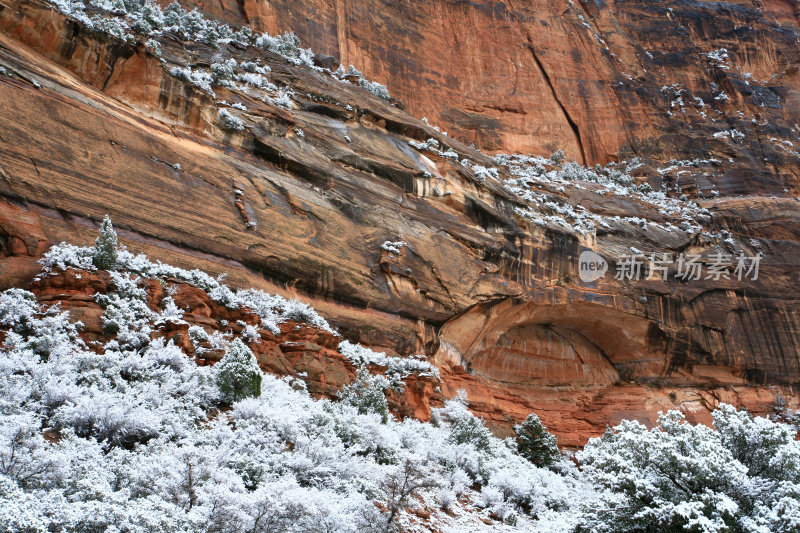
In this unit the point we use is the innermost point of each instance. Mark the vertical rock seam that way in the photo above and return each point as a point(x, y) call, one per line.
point(539, 64)
point(341, 31)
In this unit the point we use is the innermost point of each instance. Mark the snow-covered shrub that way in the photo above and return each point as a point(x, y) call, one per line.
point(431, 144)
point(170, 313)
point(446, 498)
point(404, 484)
point(393, 246)
point(684, 477)
point(768, 449)
point(470, 430)
point(197, 335)
point(352, 72)
point(230, 121)
point(375, 88)
point(250, 333)
point(254, 67)
point(201, 79)
point(110, 417)
point(64, 256)
point(154, 46)
point(31, 328)
point(367, 394)
point(558, 158)
point(733, 134)
point(238, 374)
point(113, 27)
point(125, 310)
point(483, 173)
point(273, 310)
point(396, 367)
point(284, 98)
point(288, 46)
point(223, 73)
point(465, 428)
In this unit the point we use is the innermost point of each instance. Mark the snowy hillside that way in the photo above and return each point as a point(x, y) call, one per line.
point(134, 436)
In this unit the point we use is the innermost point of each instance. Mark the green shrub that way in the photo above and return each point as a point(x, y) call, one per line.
point(367, 394)
point(238, 374)
point(105, 246)
point(535, 443)
point(471, 430)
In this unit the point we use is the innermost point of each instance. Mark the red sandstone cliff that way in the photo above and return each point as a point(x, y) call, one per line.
point(585, 76)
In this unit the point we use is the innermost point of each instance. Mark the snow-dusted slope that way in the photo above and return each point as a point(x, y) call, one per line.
point(132, 435)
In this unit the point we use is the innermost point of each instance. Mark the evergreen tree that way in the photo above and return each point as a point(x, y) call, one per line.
point(105, 247)
point(535, 443)
point(238, 374)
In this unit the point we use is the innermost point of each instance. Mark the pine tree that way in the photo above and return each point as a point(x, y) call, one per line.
point(238, 374)
point(534, 442)
point(105, 247)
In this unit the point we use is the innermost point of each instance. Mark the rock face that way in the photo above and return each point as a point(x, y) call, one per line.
point(299, 349)
point(595, 78)
point(302, 201)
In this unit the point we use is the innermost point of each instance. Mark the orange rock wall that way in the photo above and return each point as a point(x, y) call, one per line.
point(539, 76)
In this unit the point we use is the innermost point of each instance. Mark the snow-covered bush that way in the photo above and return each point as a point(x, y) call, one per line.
point(374, 87)
point(684, 477)
point(30, 328)
point(284, 98)
point(431, 144)
point(558, 157)
point(396, 367)
point(222, 73)
point(483, 173)
point(393, 246)
point(274, 309)
point(201, 79)
point(464, 427)
point(63, 256)
point(170, 313)
point(367, 394)
point(230, 121)
point(288, 46)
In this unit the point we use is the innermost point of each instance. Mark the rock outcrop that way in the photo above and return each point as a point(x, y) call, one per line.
point(306, 199)
point(600, 79)
point(299, 350)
